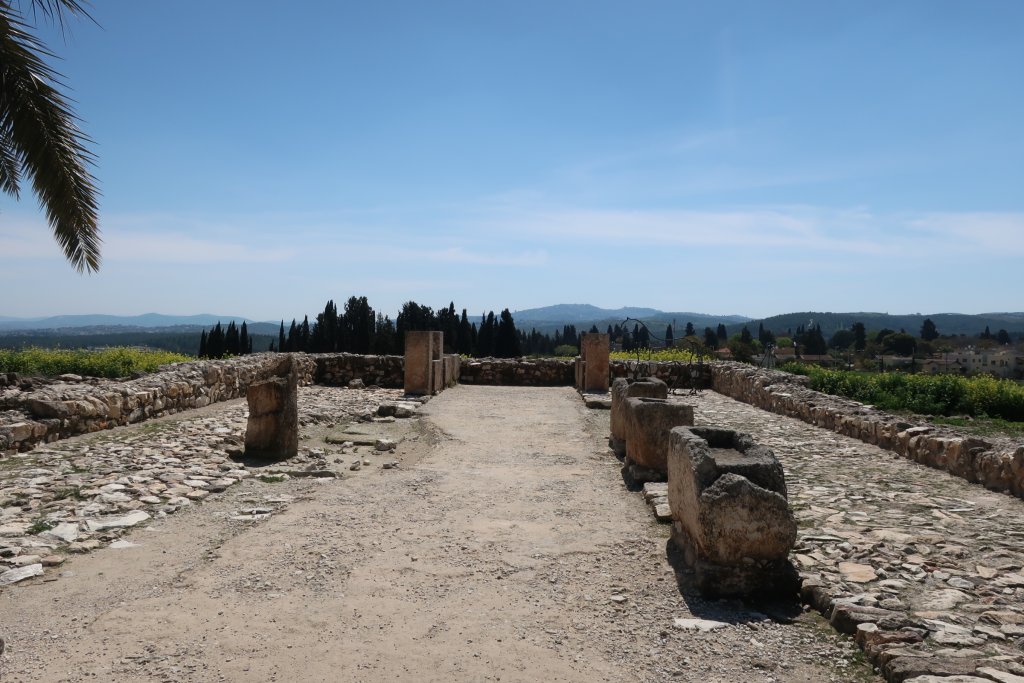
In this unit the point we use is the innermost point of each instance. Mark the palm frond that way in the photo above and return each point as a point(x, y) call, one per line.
point(10, 169)
point(42, 132)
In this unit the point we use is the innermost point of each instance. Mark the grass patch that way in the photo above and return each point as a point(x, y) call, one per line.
point(113, 362)
point(272, 478)
point(41, 525)
point(984, 426)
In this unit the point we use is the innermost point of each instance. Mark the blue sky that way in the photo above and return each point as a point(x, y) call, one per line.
point(756, 158)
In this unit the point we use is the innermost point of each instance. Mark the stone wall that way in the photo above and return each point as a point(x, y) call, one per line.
point(338, 369)
point(545, 372)
point(675, 374)
point(998, 465)
point(53, 410)
point(56, 410)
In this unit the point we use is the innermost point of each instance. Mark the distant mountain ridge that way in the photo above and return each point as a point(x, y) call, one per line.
point(102, 320)
point(547, 319)
point(550, 318)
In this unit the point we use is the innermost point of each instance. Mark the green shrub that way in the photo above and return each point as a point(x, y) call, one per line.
point(113, 362)
point(566, 350)
point(673, 354)
point(981, 395)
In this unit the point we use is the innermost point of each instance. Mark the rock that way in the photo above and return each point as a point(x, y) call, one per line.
point(847, 618)
point(20, 574)
point(732, 521)
point(857, 573)
point(356, 384)
point(385, 444)
point(273, 428)
point(903, 668)
point(662, 512)
point(999, 676)
point(700, 625)
point(118, 522)
point(65, 532)
point(948, 679)
point(356, 466)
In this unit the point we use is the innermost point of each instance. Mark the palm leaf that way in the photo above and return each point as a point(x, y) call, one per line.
point(41, 132)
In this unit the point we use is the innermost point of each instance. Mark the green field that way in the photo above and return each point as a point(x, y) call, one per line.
point(113, 362)
point(948, 395)
point(674, 354)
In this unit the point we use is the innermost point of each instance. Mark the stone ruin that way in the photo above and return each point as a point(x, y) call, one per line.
point(641, 420)
point(592, 363)
point(273, 428)
point(428, 370)
point(730, 516)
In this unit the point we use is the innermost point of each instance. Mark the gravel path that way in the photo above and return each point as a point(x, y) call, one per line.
point(503, 547)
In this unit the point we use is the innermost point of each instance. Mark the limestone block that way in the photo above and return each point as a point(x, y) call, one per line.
point(422, 348)
point(647, 426)
point(273, 427)
point(622, 388)
point(594, 350)
point(729, 510)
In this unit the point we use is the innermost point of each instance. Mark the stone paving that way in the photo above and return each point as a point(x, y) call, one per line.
point(929, 565)
point(80, 494)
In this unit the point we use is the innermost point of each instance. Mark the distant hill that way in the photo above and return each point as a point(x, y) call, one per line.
point(106, 321)
point(583, 316)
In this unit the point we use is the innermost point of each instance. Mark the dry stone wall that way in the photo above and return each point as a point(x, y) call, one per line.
point(998, 465)
point(338, 369)
point(50, 410)
point(544, 372)
point(31, 414)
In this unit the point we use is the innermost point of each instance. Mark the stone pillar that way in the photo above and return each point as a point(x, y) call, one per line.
point(647, 426)
point(622, 388)
point(730, 516)
point(273, 428)
point(594, 350)
point(422, 348)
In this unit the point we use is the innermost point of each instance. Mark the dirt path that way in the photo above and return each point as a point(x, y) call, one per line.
point(505, 548)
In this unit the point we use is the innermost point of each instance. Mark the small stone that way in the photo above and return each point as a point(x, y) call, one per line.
point(857, 573)
point(700, 625)
point(20, 574)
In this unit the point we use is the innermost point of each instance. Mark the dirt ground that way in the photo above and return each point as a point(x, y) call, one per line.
point(504, 548)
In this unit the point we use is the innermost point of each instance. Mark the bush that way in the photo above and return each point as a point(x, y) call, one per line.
point(113, 362)
point(567, 350)
point(981, 396)
point(673, 354)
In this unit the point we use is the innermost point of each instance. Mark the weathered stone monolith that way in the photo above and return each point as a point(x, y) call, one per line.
point(592, 369)
point(422, 348)
point(647, 426)
point(273, 428)
point(622, 388)
point(731, 519)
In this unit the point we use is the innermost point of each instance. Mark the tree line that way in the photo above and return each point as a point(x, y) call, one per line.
point(357, 328)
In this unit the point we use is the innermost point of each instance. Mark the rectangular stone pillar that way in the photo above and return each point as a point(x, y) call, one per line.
point(594, 350)
point(418, 368)
point(422, 358)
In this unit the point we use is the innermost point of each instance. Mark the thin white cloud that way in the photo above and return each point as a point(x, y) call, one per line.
point(185, 249)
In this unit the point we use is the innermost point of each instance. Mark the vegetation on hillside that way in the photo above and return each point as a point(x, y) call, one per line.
point(115, 362)
point(979, 396)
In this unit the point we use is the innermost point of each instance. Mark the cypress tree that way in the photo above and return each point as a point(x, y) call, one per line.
point(281, 343)
point(244, 343)
point(202, 345)
point(506, 341)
